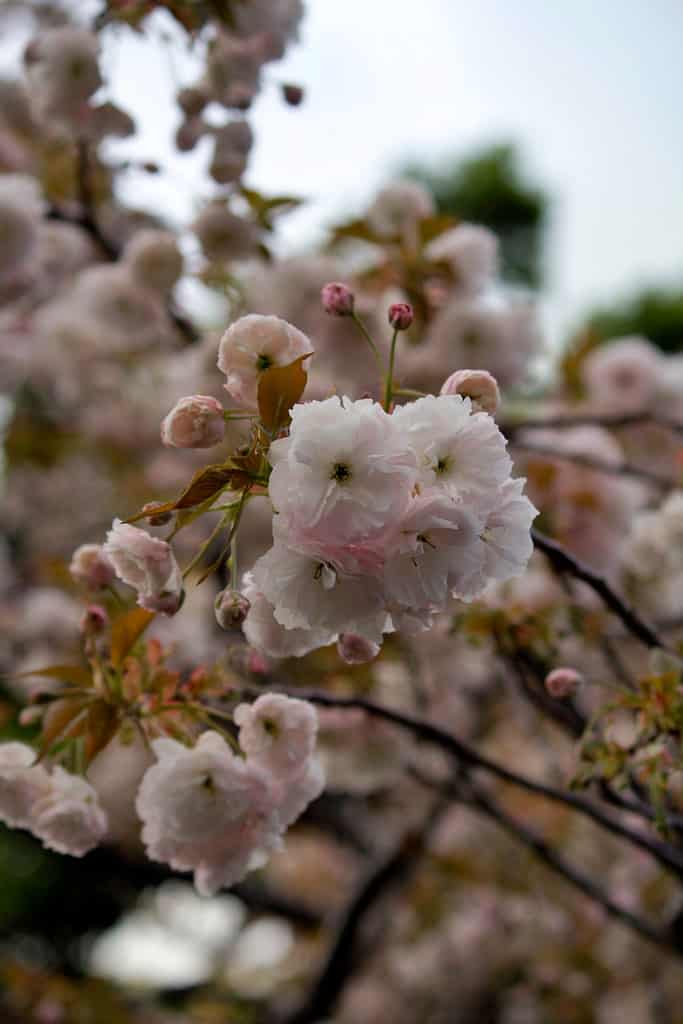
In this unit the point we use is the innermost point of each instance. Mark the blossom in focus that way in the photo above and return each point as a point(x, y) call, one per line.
point(253, 344)
point(194, 422)
point(147, 564)
point(455, 449)
point(345, 470)
point(264, 633)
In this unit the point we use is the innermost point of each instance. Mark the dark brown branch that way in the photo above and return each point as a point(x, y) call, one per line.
point(598, 465)
point(339, 965)
point(485, 804)
point(668, 856)
point(564, 562)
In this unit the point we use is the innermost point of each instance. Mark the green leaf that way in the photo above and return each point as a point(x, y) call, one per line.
point(125, 632)
point(279, 388)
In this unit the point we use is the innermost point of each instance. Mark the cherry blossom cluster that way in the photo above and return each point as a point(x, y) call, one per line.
point(204, 807)
point(381, 517)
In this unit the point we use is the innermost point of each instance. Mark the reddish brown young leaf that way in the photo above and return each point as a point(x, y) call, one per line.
point(279, 388)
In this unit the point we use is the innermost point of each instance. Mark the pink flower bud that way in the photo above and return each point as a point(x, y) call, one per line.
point(231, 609)
point(355, 649)
point(94, 620)
point(401, 316)
point(91, 566)
point(337, 299)
point(292, 94)
point(194, 422)
point(478, 385)
point(563, 682)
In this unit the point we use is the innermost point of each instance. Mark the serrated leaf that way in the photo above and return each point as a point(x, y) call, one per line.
point(279, 388)
point(125, 632)
point(207, 483)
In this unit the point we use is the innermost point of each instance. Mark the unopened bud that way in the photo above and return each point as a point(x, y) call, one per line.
point(94, 620)
point(156, 518)
point(401, 316)
point(355, 649)
point(478, 385)
point(292, 94)
point(337, 299)
point(231, 609)
point(91, 566)
point(194, 422)
point(563, 682)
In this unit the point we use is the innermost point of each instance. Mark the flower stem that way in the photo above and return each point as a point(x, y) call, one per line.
point(388, 393)
point(366, 334)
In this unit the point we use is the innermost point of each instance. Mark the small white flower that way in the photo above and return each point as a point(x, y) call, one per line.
point(146, 563)
point(206, 809)
point(277, 733)
point(345, 471)
point(21, 783)
point(455, 450)
point(253, 344)
point(68, 818)
point(307, 593)
point(437, 549)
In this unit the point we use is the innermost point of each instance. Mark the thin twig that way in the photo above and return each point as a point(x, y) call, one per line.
point(564, 562)
point(339, 964)
point(666, 854)
point(479, 801)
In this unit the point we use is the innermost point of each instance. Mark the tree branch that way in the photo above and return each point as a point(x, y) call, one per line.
point(487, 806)
point(564, 562)
point(340, 961)
point(667, 855)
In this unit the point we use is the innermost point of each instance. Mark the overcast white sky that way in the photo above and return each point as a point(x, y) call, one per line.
point(592, 91)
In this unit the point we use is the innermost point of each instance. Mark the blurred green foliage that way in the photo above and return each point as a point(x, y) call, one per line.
point(489, 188)
point(655, 313)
